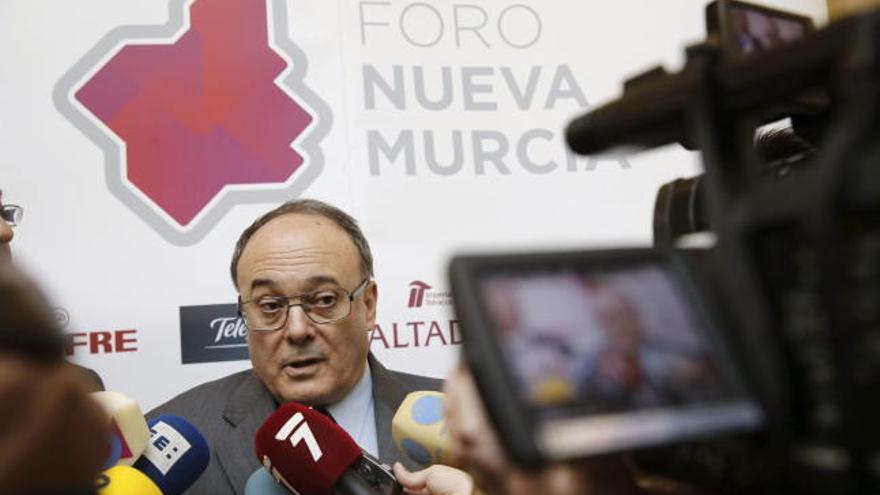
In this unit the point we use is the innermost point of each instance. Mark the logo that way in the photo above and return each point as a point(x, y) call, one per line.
point(101, 341)
point(166, 447)
point(296, 429)
point(62, 317)
point(420, 294)
point(417, 290)
point(195, 116)
point(212, 333)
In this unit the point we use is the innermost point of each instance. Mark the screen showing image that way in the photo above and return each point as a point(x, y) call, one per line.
point(755, 31)
point(603, 342)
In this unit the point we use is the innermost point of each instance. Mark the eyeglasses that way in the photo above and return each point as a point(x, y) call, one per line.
point(327, 305)
point(11, 214)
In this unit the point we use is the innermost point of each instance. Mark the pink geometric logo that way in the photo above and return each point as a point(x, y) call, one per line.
point(209, 113)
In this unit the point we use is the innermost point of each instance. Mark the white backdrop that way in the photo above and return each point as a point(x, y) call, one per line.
point(504, 76)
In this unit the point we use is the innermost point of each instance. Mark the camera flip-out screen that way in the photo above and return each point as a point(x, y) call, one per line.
point(748, 29)
point(597, 352)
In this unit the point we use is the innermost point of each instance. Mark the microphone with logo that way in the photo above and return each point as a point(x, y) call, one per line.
point(176, 455)
point(308, 453)
point(419, 429)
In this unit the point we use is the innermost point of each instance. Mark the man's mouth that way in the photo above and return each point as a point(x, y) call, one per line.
point(302, 367)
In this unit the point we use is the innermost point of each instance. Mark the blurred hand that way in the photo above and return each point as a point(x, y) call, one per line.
point(473, 440)
point(481, 454)
point(53, 437)
point(434, 480)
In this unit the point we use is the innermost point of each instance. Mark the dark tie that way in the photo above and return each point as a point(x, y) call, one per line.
point(323, 410)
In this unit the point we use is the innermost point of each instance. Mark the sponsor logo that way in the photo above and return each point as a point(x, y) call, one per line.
point(421, 333)
point(195, 116)
point(417, 290)
point(62, 317)
point(297, 430)
point(101, 342)
point(212, 333)
point(420, 294)
point(166, 447)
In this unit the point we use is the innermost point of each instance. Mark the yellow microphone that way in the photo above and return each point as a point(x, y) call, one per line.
point(419, 429)
point(124, 480)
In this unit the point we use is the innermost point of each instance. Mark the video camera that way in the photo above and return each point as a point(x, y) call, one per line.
point(749, 366)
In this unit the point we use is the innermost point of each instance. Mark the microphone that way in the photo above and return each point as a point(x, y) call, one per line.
point(125, 480)
point(419, 429)
point(115, 452)
point(126, 422)
point(262, 483)
point(176, 455)
point(308, 453)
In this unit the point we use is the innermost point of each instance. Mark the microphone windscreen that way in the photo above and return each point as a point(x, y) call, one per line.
point(115, 452)
point(125, 480)
point(262, 483)
point(127, 422)
point(176, 455)
point(419, 429)
point(304, 449)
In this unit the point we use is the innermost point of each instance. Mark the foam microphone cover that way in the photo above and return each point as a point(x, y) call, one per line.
point(419, 429)
point(305, 450)
point(176, 455)
point(127, 422)
point(262, 483)
point(115, 452)
point(125, 480)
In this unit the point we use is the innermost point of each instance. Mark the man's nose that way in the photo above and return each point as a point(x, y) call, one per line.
point(298, 327)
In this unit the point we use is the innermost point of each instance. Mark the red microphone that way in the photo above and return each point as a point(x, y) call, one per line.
point(310, 454)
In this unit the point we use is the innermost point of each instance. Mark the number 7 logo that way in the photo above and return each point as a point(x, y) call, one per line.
point(297, 432)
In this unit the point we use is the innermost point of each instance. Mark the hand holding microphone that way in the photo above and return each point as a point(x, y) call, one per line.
point(419, 430)
point(436, 479)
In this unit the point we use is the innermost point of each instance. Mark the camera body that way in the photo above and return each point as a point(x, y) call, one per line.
point(785, 305)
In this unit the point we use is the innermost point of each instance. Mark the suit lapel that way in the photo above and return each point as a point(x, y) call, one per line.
point(388, 393)
point(248, 406)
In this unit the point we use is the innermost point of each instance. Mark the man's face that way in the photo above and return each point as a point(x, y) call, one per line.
point(303, 361)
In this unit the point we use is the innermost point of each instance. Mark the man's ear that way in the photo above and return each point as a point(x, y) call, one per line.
point(371, 299)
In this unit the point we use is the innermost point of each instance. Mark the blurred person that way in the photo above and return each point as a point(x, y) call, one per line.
point(632, 370)
point(10, 218)
point(53, 437)
point(10, 215)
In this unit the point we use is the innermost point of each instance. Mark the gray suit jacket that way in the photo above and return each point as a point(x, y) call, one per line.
point(229, 411)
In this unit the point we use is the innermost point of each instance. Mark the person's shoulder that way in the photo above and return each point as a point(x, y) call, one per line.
point(417, 382)
point(207, 396)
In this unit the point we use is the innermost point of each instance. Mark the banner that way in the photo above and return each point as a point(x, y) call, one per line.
point(141, 138)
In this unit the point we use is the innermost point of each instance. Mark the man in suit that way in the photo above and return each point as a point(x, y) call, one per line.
point(303, 272)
